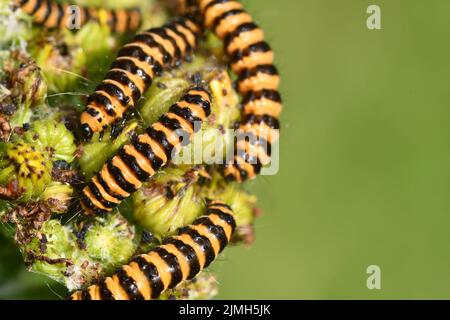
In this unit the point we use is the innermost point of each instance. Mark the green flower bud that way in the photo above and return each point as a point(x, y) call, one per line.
point(111, 240)
point(57, 196)
point(22, 86)
point(63, 64)
point(167, 204)
point(11, 28)
point(21, 116)
point(161, 95)
point(215, 45)
point(29, 165)
point(34, 86)
point(210, 145)
point(164, 216)
point(54, 138)
point(203, 287)
point(225, 101)
point(55, 250)
point(152, 12)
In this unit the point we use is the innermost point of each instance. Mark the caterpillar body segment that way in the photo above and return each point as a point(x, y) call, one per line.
point(178, 259)
point(252, 59)
point(139, 160)
point(253, 147)
point(54, 15)
point(132, 73)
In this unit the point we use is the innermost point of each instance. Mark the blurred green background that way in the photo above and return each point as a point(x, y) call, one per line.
point(365, 157)
point(364, 176)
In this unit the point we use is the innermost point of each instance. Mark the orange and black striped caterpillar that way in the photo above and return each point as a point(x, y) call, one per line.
point(251, 58)
point(132, 73)
point(146, 154)
point(54, 15)
point(179, 258)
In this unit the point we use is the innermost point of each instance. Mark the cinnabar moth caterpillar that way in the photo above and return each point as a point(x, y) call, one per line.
point(258, 81)
point(178, 259)
point(132, 73)
point(146, 154)
point(54, 15)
